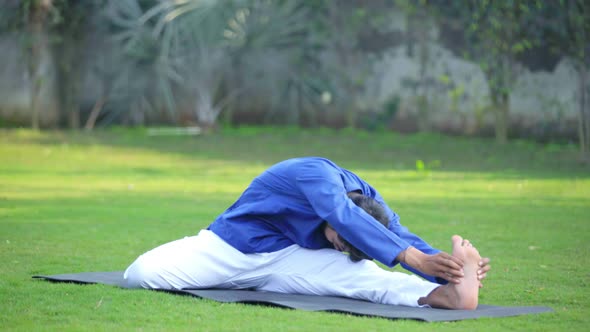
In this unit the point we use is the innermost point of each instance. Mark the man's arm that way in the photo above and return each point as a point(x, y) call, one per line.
point(419, 257)
point(440, 267)
point(324, 190)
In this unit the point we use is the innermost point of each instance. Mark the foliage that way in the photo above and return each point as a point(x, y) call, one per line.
point(419, 28)
point(495, 34)
point(213, 40)
point(565, 26)
point(279, 32)
point(55, 27)
point(343, 26)
point(68, 35)
point(425, 169)
point(186, 61)
point(151, 74)
point(381, 120)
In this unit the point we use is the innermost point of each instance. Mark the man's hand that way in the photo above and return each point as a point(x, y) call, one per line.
point(440, 265)
point(484, 267)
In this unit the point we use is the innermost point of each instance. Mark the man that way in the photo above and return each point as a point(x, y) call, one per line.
point(281, 236)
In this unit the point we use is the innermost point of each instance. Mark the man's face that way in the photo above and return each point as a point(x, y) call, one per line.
point(333, 237)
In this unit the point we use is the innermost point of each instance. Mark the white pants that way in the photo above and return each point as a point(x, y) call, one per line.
point(206, 261)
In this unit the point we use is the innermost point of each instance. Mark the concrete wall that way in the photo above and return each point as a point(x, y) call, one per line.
point(537, 98)
point(540, 101)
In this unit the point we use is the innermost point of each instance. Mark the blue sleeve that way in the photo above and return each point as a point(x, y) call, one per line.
point(324, 189)
point(412, 239)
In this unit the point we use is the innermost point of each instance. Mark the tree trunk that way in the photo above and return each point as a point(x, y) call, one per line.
point(38, 14)
point(68, 88)
point(584, 113)
point(501, 107)
point(351, 117)
point(227, 117)
point(72, 84)
point(345, 52)
point(94, 113)
point(421, 28)
point(423, 107)
point(36, 81)
point(67, 64)
point(73, 108)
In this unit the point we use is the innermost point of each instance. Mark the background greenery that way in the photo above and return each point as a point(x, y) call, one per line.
point(72, 202)
point(305, 63)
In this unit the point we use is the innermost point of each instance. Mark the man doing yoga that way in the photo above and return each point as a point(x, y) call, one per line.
point(287, 233)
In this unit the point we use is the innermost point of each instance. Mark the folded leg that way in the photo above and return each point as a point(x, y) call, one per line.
point(201, 261)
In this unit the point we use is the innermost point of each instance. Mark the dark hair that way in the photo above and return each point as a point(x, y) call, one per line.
point(375, 210)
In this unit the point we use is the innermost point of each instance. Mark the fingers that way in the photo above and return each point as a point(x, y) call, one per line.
point(452, 266)
point(484, 268)
point(448, 267)
point(451, 261)
point(454, 278)
point(484, 261)
point(338, 245)
point(448, 277)
point(482, 273)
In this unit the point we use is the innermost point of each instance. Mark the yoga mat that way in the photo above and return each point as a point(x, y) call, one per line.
point(312, 303)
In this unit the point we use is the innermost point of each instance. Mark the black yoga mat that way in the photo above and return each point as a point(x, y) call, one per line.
point(313, 303)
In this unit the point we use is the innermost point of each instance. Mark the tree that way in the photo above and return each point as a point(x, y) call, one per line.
point(201, 47)
point(36, 22)
point(495, 34)
point(33, 17)
point(419, 25)
point(143, 82)
point(193, 58)
point(565, 25)
point(53, 28)
point(68, 31)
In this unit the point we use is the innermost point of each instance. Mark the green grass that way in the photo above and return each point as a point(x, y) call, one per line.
point(76, 202)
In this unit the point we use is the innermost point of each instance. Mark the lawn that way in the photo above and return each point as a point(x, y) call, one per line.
point(72, 202)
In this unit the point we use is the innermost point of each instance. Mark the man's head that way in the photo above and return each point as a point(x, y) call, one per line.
point(374, 209)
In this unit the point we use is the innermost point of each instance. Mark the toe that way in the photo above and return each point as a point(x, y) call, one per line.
point(457, 240)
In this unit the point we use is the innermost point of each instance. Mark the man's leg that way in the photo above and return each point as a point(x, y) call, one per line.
point(329, 272)
point(465, 294)
point(201, 261)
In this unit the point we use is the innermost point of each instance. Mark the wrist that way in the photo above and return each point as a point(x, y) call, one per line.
point(402, 256)
point(413, 257)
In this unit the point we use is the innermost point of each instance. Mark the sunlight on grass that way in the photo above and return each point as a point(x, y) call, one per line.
point(73, 202)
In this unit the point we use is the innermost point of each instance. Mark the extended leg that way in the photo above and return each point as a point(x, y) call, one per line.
point(329, 272)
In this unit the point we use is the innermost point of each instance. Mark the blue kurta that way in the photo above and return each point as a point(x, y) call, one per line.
point(288, 204)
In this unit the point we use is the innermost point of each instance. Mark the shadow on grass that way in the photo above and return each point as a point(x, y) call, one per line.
point(355, 150)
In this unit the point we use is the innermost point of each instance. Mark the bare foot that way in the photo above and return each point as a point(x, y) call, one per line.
point(468, 290)
point(463, 295)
